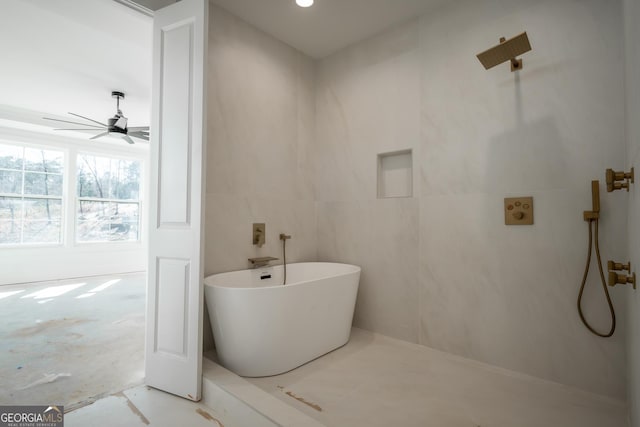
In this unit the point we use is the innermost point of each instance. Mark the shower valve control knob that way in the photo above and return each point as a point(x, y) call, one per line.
point(619, 180)
point(615, 278)
point(617, 266)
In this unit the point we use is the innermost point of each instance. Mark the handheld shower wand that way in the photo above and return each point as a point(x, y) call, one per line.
point(593, 216)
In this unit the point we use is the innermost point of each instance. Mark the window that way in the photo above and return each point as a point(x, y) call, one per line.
point(30, 195)
point(108, 205)
point(38, 196)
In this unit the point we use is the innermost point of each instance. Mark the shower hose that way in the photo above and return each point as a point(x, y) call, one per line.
point(602, 279)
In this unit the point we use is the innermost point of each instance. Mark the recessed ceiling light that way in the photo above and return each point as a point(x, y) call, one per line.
point(304, 3)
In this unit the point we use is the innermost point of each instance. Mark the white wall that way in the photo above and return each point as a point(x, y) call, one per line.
point(261, 116)
point(70, 259)
point(631, 10)
point(441, 268)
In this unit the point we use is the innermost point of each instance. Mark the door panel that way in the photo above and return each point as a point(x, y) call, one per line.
point(173, 353)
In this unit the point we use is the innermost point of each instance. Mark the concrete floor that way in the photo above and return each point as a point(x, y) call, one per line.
point(72, 341)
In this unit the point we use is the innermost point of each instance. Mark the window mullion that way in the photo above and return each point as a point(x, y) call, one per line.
point(23, 209)
point(71, 204)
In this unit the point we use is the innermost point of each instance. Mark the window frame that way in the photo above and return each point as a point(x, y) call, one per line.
point(62, 198)
point(71, 145)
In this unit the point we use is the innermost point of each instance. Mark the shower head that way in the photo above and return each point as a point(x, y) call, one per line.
point(507, 50)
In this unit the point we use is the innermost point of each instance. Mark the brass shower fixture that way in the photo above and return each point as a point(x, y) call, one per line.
point(614, 178)
point(615, 279)
point(594, 213)
point(593, 217)
point(507, 50)
point(617, 266)
point(259, 233)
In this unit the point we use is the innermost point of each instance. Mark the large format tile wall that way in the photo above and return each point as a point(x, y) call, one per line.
point(631, 14)
point(260, 129)
point(441, 268)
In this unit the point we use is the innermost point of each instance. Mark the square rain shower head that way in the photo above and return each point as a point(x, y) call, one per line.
point(507, 50)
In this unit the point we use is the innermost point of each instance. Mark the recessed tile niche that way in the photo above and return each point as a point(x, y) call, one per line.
point(395, 174)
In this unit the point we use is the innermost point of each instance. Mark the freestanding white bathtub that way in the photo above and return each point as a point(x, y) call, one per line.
point(263, 328)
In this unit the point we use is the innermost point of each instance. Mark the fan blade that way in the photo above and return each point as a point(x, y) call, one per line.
point(139, 135)
point(87, 118)
point(99, 135)
point(84, 130)
point(74, 123)
point(138, 128)
point(129, 140)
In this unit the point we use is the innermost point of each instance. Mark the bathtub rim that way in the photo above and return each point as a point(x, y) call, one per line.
point(356, 269)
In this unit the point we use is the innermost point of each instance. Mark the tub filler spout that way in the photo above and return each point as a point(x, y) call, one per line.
point(261, 261)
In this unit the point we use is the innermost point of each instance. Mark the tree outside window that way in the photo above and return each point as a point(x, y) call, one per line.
point(108, 204)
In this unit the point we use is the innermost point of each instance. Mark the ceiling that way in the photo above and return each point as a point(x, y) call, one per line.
point(325, 27)
point(68, 55)
point(328, 25)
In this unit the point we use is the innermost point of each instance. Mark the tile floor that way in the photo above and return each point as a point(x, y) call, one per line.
point(71, 341)
point(379, 381)
point(372, 381)
point(143, 406)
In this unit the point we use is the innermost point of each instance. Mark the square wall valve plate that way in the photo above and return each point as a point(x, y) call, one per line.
point(518, 210)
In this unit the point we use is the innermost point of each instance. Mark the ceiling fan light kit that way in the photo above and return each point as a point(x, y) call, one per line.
point(116, 125)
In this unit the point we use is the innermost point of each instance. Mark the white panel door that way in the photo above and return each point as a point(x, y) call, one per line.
point(173, 353)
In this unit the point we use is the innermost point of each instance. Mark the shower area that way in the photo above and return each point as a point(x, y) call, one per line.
point(304, 145)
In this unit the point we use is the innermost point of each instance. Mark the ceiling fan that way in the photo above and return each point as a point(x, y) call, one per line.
point(117, 125)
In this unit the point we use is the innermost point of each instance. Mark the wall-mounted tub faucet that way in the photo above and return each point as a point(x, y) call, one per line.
point(261, 261)
point(614, 178)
